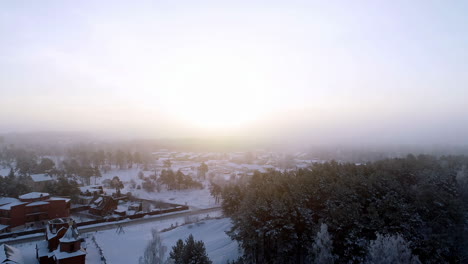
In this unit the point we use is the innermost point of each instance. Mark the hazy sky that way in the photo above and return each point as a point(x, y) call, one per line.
point(367, 71)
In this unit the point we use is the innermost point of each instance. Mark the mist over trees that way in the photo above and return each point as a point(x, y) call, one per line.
point(417, 204)
point(178, 180)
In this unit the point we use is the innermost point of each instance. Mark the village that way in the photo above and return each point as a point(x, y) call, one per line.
point(38, 227)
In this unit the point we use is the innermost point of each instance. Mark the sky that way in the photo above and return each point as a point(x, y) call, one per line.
point(316, 71)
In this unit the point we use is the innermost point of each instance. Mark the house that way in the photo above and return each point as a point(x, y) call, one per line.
point(91, 190)
point(63, 244)
point(39, 182)
point(10, 255)
point(31, 209)
point(103, 205)
point(89, 193)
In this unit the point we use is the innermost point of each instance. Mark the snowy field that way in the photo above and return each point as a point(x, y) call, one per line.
point(195, 198)
point(128, 247)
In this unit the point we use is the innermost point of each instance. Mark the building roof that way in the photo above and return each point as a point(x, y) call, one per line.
point(37, 203)
point(41, 177)
point(33, 195)
point(6, 200)
point(53, 233)
point(71, 235)
point(64, 255)
point(61, 220)
point(59, 199)
point(91, 188)
point(10, 255)
point(42, 248)
point(10, 205)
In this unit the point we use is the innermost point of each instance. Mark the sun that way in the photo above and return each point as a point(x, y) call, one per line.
point(215, 92)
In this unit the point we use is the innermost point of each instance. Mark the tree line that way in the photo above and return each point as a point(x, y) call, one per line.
point(415, 203)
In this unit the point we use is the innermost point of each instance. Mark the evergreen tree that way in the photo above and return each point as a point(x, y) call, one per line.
point(11, 175)
point(120, 159)
point(202, 170)
point(45, 165)
point(177, 252)
point(190, 252)
point(386, 249)
point(322, 247)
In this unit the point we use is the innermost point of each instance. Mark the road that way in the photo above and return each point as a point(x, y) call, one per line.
point(113, 225)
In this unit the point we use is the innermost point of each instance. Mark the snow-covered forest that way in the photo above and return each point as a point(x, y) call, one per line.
point(402, 210)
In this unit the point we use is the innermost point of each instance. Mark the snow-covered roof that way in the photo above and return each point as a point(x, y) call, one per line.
point(91, 188)
point(64, 255)
point(3, 227)
point(10, 255)
point(42, 248)
point(59, 199)
point(59, 220)
point(10, 205)
point(52, 233)
point(37, 203)
point(71, 235)
point(33, 195)
point(41, 177)
point(5, 200)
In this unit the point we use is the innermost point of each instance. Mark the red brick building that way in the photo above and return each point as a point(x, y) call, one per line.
point(32, 208)
point(63, 244)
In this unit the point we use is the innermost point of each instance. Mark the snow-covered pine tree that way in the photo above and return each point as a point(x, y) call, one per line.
point(190, 252)
point(386, 249)
point(177, 252)
point(321, 252)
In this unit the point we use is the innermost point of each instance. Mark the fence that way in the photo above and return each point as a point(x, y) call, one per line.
point(104, 220)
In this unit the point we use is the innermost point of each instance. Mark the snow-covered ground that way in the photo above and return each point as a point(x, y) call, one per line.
point(219, 246)
point(4, 171)
point(194, 198)
point(128, 246)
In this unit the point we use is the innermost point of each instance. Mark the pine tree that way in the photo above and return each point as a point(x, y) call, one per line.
point(202, 170)
point(11, 175)
point(386, 249)
point(190, 252)
point(322, 247)
point(177, 252)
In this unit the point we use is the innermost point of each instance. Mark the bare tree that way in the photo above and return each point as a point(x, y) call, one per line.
point(154, 251)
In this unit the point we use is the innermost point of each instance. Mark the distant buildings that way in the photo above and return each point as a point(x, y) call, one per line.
point(30, 209)
point(63, 244)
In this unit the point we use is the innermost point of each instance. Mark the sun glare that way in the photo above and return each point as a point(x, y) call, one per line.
point(215, 92)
